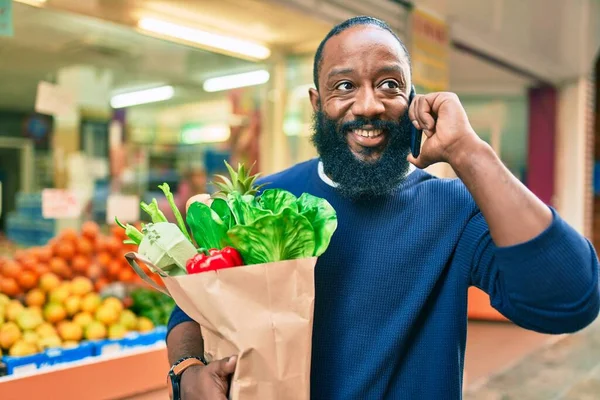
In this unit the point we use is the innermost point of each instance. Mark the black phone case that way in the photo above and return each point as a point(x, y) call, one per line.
point(415, 134)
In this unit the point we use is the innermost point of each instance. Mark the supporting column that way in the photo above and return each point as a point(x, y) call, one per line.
point(572, 154)
point(541, 148)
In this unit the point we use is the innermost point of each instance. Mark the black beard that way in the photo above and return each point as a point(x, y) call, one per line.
point(362, 180)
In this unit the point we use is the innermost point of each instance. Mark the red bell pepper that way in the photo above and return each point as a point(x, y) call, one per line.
point(213, 260)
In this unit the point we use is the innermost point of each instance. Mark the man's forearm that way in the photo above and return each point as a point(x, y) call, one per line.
point(513, 213)
point(185, 340)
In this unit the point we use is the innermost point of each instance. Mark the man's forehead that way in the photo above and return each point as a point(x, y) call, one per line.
point(359, 40)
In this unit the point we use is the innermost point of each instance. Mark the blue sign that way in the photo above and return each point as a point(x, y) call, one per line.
point(6, 18)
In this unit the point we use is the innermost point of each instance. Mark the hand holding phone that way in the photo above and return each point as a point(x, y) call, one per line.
point(415, 134)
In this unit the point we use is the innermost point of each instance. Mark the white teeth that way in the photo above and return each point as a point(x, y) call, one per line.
point(368, 133)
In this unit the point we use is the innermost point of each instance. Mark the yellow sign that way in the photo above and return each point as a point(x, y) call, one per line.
point(430, 52)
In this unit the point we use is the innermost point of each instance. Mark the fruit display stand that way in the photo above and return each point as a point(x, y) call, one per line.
point(138, 374)
point(76, 322)
point(479, 307)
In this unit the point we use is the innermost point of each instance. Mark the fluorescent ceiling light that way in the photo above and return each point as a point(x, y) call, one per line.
point(236, 81)
point(205, 134)
point(31, 2)
point(207, 39)
point(142, 97)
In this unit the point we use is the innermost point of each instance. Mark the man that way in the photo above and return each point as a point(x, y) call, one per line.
point(391, 291)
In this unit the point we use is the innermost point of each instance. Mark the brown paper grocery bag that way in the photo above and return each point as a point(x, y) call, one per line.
point(262, 313)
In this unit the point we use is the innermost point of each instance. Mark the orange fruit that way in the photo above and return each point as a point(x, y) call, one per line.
point(44, 254)
point(54, 313)
point(114, 269)
point(90, 229)
point(81, 286)
point(65, 250)
point(94, 271)
point(113, 245)
point(49, 281)
point(29, 263)
point(11, 269)
point(80, 264)
point(19, 255)
point(85, 246)
point(27, 280)
point(100, 244)
point(9, 287)
point(35, 297)
point(126, 275)
point(104, 259)
point(100, 284)
point(41, 268)
point(69, 235)
point(60, 267)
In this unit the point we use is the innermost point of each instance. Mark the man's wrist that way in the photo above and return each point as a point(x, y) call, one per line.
point(467, 152)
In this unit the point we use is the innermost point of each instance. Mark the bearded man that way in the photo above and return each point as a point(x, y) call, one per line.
point(390, 317)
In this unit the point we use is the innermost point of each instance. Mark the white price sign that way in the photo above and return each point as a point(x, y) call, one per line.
point(125, 207)
point(60, 204)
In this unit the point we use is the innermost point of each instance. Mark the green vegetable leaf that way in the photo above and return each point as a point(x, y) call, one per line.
point(322, 217)
point(245, 209)
point(208, 229)
point(154, 212)
point(222, 209)
point(284, 236)
point(275, 200)
point(167, 191)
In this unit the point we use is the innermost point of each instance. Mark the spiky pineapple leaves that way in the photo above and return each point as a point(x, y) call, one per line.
point(240, 181)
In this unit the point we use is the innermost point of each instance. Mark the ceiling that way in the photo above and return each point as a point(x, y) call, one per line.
point(65, 34)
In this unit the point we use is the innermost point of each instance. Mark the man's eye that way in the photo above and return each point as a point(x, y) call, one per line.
point(345, 86)
point(390, 84)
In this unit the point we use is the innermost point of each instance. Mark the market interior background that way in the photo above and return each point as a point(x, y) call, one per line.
point(103, 100)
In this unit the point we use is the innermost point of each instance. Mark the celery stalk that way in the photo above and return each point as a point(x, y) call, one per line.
point(154, 212)
point(167, 191)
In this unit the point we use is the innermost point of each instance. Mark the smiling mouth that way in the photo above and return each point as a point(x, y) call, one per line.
point(368, 133)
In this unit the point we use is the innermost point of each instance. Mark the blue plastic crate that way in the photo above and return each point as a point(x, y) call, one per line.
point(66, 355)
point(25, 364)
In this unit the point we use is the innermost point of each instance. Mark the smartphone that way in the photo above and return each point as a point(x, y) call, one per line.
point(415, 134)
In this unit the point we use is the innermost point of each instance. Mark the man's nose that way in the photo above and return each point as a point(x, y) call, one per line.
point(367, 104)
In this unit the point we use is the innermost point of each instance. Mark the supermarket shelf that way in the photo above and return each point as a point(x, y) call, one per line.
point(116, 376)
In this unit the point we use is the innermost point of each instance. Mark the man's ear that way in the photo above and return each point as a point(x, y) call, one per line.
point(314, 99)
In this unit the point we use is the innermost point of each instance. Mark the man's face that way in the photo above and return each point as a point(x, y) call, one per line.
point(361, 126)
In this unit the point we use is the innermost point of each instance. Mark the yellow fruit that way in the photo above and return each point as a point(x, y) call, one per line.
point(107, 315)
point(54, 313)
point(48, 282)
point(70, 343)
point(60, 294)
point(128, 320)
point(116, 331)
point(83, 319)
point(2, 317)
point(22, 348)
point(4, 300)
point(70, 331)
point(72, 305)
point(113, 302)
point(144, 324)
point(31, 337)
point(35, 297)
point(37, 310)
point(29, 320)
point(49, 342)
point(81, 286)
point(91, 302)
point(95, 330)
point(13, 309)
point(46, 330)
point(9, 334)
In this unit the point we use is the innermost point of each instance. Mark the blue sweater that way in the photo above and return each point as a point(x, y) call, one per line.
point(391, 290)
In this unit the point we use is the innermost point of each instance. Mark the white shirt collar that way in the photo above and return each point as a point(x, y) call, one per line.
point(331, 183)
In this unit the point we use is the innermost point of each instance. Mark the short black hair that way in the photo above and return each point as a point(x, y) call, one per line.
point(349, 23)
